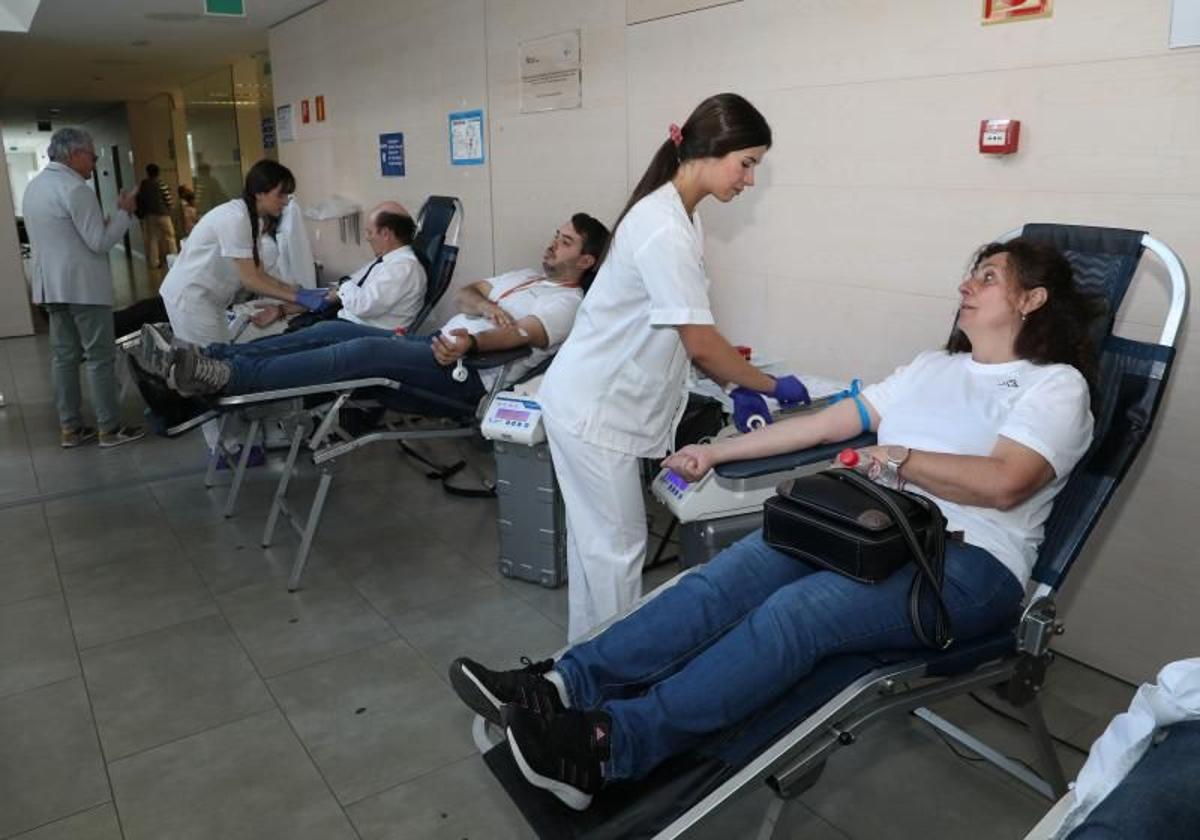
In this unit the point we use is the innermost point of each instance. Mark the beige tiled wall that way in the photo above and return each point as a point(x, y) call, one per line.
point(844, 259)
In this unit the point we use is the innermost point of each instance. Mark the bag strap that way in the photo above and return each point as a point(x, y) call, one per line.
point(930, 558)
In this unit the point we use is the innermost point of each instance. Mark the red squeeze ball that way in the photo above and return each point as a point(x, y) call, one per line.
point(848, 457)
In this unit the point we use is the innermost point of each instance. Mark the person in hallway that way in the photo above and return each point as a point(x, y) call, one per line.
point(221, 257)
point(207, 189)
point(988, 428)
point(70, 239)
point(389, 291)
point(154, 207)
point(187, 208)
point(523, 307)
point(616, 390)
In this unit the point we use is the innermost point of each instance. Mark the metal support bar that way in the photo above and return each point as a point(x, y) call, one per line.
point(240, 472)
point(210, 476)
point(310, 528)
point(279, 503)
point(1044, 744)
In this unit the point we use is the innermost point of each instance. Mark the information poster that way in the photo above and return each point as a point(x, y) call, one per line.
point(268, 132)
point(466, 138)
point(391, 154)
point(284, 130)
point(1185, 24)
point(551, 73)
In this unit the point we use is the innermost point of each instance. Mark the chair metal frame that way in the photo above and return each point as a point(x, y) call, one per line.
point(1016, 659)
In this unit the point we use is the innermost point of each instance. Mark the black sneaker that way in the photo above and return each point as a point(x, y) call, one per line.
point(562, 754)
point(486, 691)
point(193, 374)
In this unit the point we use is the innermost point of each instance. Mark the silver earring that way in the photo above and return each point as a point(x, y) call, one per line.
point(1023, 316)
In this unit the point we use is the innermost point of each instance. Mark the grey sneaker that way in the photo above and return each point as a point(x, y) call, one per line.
point(193, 374)
point(70, 438)
point(120, 435)
point(155, 350)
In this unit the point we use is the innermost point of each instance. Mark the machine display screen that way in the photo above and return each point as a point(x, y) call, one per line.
point(675, 480)
point(511, 414)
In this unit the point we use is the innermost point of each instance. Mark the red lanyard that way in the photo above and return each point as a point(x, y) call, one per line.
point(530, 282)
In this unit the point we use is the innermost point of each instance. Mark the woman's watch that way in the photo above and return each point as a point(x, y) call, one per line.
point(896, 456)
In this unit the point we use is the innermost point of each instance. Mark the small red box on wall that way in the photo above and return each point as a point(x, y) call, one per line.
point(304, 117)
point(999, 137)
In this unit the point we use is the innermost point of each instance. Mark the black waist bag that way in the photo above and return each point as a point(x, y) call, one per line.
point(844, 522)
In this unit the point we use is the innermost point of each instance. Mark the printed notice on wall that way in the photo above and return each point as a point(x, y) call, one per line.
point(466, 138)
point(551, 75)
point(1006, 11)
point(283, 124)
point(1185, 24)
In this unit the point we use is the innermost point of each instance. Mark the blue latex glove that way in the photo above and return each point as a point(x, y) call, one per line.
point(790, 391)
point(313, 299)
point(747, 406)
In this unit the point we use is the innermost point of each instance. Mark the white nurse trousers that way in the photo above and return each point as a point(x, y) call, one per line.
point(606, 528)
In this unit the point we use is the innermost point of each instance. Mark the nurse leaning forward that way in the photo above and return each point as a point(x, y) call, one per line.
point(616, 389)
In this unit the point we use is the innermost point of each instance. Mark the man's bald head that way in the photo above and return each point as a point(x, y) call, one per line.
point(389, 226)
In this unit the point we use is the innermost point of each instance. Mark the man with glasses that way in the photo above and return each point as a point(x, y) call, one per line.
point(70, 240)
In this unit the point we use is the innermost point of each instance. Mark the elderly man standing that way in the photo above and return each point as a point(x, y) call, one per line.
point(70, 240)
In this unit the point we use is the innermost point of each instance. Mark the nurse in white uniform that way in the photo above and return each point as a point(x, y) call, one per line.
point(221, 256)
point(616, 390)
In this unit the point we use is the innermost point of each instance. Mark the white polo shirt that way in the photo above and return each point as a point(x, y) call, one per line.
point(619, 381)
point(522, 293)
point(204, 276)
point(391, 295)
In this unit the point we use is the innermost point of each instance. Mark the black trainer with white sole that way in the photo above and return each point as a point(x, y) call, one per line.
point(486, 691)
point(195, 375)
point(563, 754)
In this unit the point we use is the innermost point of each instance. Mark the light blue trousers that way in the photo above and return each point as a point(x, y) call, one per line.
point(83, 334)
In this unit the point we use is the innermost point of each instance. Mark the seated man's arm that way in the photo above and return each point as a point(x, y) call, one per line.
point(529, 330)
point(473, 300)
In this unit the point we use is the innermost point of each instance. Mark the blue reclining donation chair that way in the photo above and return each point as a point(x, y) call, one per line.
point(785, 746)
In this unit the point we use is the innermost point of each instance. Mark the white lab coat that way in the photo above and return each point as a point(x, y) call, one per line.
point(69, 238)
point(202, 283)
point(615, 393)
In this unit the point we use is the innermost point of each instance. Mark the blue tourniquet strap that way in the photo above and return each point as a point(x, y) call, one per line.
point(853, 392)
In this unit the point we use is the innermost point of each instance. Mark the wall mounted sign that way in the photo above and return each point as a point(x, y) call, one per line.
point(1185, 24)
point(268, 132)
point(225, 8)
point(1004, 11)
point(551, 75)
point(304, 113)
point(466, 138)
point(320, 109)
point(284, 130)
point(391, 155)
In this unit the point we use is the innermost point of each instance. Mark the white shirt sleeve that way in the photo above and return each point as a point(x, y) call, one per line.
point(674, 280)
point(388, 287)
point(882, 395)
point(89, 220)
point(557, 314)
point(234, 237)
point(1054, 419)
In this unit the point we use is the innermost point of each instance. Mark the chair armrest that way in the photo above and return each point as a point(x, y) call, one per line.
point(499, 358)
point(309, 390)
point(790, 460)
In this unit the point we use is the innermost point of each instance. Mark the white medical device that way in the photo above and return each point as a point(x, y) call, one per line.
point(717, 497)
point(515, 418)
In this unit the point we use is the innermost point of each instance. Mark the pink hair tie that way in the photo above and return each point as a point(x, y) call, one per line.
point(676, 134)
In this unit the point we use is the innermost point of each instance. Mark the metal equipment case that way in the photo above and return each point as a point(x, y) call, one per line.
point(533, 530)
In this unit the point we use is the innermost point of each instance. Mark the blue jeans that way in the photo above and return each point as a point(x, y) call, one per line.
point(731, 638)
point(332, 351)
point(1160, 797)
point(83, 333)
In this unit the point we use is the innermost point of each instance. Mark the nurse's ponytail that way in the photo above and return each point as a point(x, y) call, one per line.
point(719, 125)
point(263, 177)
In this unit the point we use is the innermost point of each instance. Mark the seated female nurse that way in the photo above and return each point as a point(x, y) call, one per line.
point(989, 428)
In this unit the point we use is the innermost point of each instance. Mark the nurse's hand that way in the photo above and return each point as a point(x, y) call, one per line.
point(692, 462)
point(498, 316)
point(449, 349)
point(313, 299)
point(266, 314)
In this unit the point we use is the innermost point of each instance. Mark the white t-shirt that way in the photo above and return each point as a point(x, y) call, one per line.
point(204, 276)
point(392, 294)
point(951, 403)
point(521, 293)
point(619, 380)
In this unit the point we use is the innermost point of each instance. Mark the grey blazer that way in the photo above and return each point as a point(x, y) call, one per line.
point(69, 238)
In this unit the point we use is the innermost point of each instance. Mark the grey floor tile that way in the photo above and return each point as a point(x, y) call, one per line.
point(99, 823)
point(24, 529)
point(187, 503)
point(27, 573)
point(49, 758)
point(490, 625)
point(229, 555)
point(452, 803)
point(283, 630)
point(552, 603)
point(248, 780)
point(170, 683)
point(909, 775)
point(132, 596)
point(743, 816)
point(36, 645)
point(118, 542)
point(375, 718)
